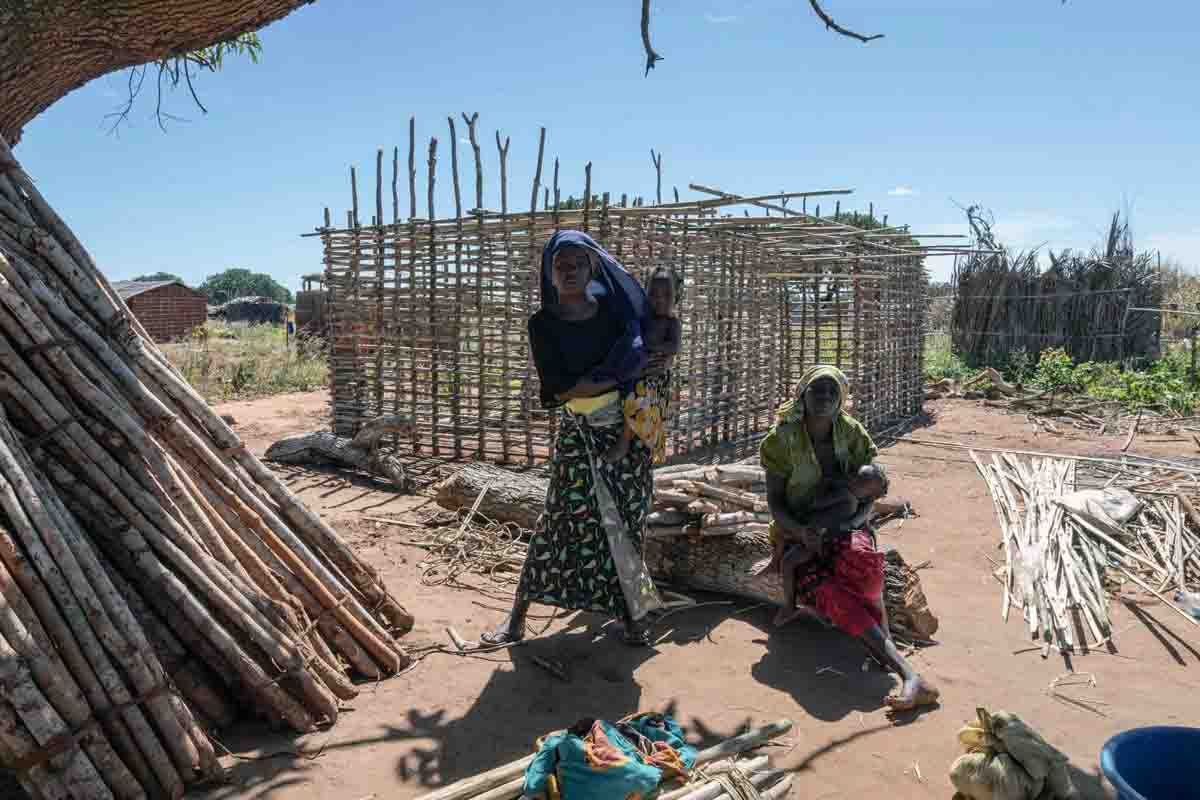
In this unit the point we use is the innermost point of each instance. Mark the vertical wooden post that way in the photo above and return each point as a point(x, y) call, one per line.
point(530, 282)
point(481, 258)
point(377, 333)
point(434, 376)
point(657, 161)
point(556, 195)
point(414, 379)
point(456, 381)
point(505, 389)
point(587, 195)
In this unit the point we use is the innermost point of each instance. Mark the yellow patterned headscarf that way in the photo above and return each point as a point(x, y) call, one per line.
point(794, 408)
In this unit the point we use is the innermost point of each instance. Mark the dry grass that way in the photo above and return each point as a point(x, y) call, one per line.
point(241, 362)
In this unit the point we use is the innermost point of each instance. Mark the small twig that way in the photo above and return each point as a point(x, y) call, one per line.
point(1132, 431)
point(829, 23)
point(400, 522)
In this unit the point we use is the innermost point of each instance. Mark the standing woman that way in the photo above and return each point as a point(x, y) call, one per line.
point(586, 551)
point(814, 441)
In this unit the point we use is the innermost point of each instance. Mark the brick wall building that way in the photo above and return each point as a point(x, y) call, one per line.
point(168, 310)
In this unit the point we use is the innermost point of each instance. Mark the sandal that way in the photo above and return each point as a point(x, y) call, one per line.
point(500, 636)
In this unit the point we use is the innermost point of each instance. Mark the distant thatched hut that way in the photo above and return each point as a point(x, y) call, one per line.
point(252, 310)
point(166, 309)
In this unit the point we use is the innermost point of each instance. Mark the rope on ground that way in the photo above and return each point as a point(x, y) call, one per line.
point(463, 542)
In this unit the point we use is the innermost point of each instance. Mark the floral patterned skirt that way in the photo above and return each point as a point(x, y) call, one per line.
point(646, 412)
point(586, 550)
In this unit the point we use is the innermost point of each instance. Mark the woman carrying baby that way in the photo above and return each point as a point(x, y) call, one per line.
point(829, 552)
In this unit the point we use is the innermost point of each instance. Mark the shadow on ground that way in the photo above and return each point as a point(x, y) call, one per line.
point(521, 701)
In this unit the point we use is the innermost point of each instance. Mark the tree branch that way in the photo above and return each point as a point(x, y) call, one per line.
point(833, 26)
point(651, 56)
point(50, 47)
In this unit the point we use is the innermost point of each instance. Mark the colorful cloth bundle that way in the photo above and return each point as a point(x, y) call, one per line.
point(598, 760)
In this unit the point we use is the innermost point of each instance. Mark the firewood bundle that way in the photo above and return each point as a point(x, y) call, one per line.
point(155, 577)
point(693, 500)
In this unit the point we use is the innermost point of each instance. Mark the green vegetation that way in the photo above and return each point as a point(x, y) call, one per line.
point(237, 282)
point(1169, 384)
point(240, 362)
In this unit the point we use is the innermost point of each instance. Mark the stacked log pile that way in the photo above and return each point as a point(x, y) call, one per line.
point(155, 577)
point(708, 501)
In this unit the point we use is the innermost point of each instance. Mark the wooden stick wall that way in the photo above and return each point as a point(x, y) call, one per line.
point(428, 315)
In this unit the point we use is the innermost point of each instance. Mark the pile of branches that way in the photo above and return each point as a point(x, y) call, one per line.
point(1006, 303)
point(1067, 552)
point(155, 578)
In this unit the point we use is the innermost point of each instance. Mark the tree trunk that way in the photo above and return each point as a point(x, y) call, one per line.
point(511, 496)
point(50, 47)
point(361, 452)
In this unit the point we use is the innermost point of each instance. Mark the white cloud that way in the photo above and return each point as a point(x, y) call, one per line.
point(720, 19)
point(903, 191)
point(467, 142)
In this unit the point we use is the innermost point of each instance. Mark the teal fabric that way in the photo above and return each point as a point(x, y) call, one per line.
point(622, 761)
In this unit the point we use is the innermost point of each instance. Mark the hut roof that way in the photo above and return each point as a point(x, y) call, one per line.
point(128, 289)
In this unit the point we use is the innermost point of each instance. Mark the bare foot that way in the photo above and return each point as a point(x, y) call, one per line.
point(915, 693)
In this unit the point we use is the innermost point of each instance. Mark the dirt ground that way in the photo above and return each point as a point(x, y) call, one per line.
point(722, 668)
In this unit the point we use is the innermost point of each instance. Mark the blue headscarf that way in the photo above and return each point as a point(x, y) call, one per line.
point(621, 293)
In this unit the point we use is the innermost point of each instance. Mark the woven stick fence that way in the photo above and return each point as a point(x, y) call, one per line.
point(428, 314)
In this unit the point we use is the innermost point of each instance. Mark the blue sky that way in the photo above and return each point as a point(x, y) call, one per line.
point(1050, 115)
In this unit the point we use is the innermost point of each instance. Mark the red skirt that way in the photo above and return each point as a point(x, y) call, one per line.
point(845, 583)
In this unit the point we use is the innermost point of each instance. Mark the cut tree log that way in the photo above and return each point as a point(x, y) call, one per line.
point(361, 452)
point(516, 497)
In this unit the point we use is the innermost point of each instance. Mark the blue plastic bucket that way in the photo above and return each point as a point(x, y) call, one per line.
point(1156, 763)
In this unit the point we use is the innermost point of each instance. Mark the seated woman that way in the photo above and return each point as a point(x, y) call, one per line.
point(586, 550)
point(814, 441)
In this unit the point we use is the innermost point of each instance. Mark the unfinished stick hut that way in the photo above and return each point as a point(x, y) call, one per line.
point(168, 310)
point(428, 314)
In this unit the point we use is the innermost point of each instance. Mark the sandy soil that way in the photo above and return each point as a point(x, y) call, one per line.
point(720, 670)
